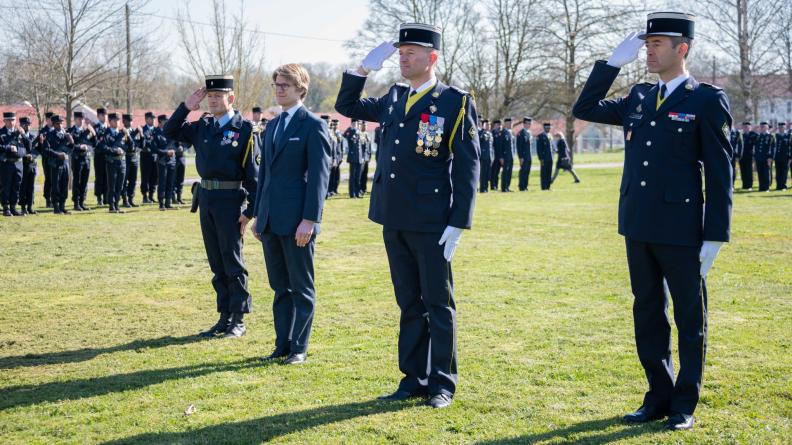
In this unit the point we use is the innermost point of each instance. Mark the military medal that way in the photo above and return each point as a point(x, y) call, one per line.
point(234, 144)
point(433, 109)
point(418, 149)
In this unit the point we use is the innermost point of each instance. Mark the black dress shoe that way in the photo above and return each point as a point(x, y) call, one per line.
point(402, 394)
point(296, 359)
point(218, 328)
point(276, 355)
point(439, 401)
point(680, 421)
point(646, 413)
point(236, 327)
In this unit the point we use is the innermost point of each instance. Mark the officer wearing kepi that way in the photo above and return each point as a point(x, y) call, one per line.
point(58, 146)
point(487, 155)
point(496, 164)
point(736, 141)
point(149, 165)
point(423, 195)
point(747, 156)
point(165, 153)
point(544, 151)
point(764, 151)
point(673, 230)
point(136, 141)
point(112, 147)
point(100, 163)
point(782, 155)
point(84, 142)
point(29, 170)
point(524, 153)
point(227, 156)
point(505, 145)
point(14, 147)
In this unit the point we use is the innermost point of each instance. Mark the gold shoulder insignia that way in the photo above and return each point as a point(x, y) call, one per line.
point(472, 132)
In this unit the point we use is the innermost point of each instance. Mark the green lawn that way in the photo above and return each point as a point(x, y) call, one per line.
point(98, 314)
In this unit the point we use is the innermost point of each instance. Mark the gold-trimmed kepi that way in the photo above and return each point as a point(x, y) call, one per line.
point(673, 24)
point(219, 83)
point(419, 34)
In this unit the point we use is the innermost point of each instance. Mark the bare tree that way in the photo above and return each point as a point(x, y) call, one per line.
point(231, 46)
point(741, 30)
point(783, 29)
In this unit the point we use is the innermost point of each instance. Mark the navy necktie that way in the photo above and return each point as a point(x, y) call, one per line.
point(663, 90)
point(281, 125)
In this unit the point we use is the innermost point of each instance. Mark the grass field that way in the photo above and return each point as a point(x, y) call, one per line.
point(98, 314)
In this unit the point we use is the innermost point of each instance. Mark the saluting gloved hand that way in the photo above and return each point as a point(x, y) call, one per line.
point(377, 56)
point(709, 250)
point(450, 238)
point(627, 51)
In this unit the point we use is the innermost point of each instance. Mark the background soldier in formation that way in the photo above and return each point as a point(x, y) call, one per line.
point(524, 153)
point(497, 162)
point(84, 143)
point(29, 169)
point(354, 158)
point(505, 145)
point(14, 147)
point(148, 161)
point(763, 154)
point(135, 141)
point(337, 140)
point(113, 146)
point(181, 165)
point(100, 163)
point(747, 157)
point(45, 158)
point(58, 145)
point(366, 149)
point(736, 141)
point(164, 152)
point(564, 159)
point(782, 155)
point(544, 152)
point(487, 155)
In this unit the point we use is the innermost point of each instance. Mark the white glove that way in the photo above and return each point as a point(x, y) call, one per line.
point(450, 237)
point(377, 56)
point(627, 51)
point(709, 250)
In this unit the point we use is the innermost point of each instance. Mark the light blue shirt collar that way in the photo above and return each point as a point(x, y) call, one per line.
point(226, 118)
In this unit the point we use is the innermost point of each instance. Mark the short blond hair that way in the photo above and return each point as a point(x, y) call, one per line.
point(296, 74)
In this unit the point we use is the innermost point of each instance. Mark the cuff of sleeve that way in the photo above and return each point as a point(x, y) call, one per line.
point(355, 73)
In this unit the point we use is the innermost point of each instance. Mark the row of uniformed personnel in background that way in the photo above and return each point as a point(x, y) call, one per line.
point(759, 151)
point(118, 151)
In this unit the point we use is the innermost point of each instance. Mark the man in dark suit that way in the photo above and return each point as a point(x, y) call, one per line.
point(506, 147)
point(736, 141)
point(671, 130)
point(487, 155)
point(764, 151)
point(544, 151)
point(423, 195)
point(292, 188)
point(354, 158)
point(782, 155)
point(498, 159)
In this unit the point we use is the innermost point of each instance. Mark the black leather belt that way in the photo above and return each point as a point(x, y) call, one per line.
point(214, 184)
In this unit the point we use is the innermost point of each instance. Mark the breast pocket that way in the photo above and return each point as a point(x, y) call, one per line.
point(682, 136)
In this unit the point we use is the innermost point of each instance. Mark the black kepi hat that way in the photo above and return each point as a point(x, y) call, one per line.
point(219, 83)
point(673, 24)
point(421, 34)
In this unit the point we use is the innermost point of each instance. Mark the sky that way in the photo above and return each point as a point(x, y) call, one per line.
point(326, 24)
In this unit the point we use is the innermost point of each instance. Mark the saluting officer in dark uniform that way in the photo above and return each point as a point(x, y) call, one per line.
point(100, 163)
point(423, 195)
point(14, 147)
point(671, 129)
point(113, 145)
point(226, 156)
point(58, 146)
point(783, 153)
point(149, 167)
point(496, 160)
point(544, 152)
point(747, 156)
point(354, 158)
point(136, 142)
point(736, 141)
point(487, 156)
point(165, 153)
point(45, 158)
point(29, 170)
point(507, 147)
point(84, 143)
point(524, 153)
point(764, 151)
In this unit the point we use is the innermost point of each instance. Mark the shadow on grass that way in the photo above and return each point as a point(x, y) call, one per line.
point(81, 355)
point(589, 432)
point(264, 429)
point(25, 395)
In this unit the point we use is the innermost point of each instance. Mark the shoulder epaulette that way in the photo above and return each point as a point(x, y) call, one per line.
point(708, 85)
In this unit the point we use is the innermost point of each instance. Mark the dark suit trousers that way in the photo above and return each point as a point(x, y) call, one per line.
point(219, 215)
point(649, 263)
point(546, 174)
point(291, 275)
point(423, 285)
point(355, 171)
point(364, 177)
point(746, 171)
point(525, 172)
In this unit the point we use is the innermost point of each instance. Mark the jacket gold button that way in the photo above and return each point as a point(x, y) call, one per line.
point(393, 175)
point(648, 143)
point(396, 142)
point(393, 158)
point(643, 183)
